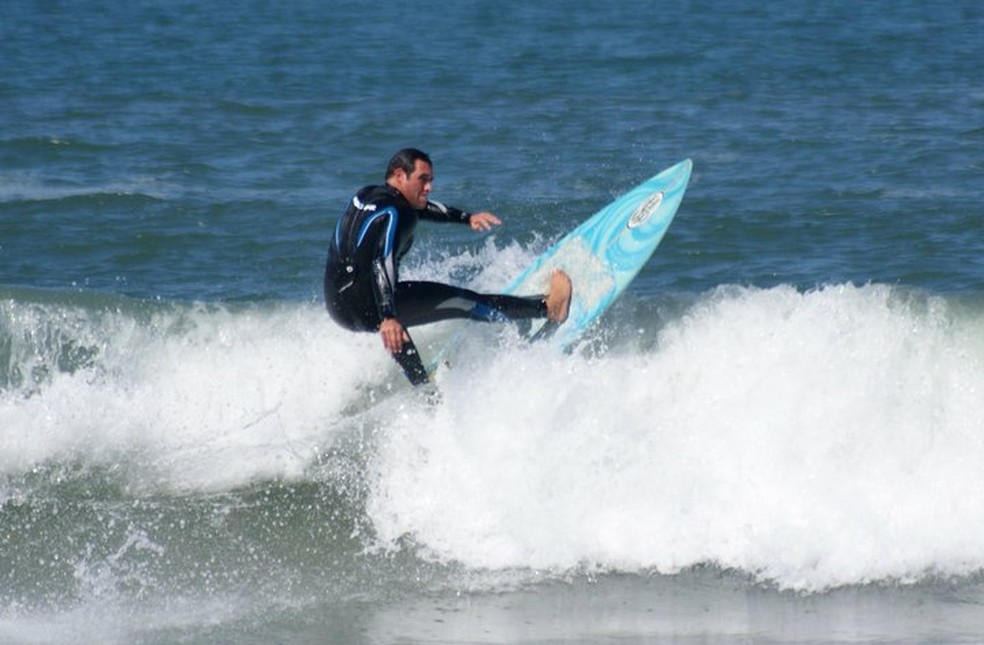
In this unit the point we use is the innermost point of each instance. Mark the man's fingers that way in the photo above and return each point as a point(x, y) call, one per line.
point(483, 221)
point(394, 335)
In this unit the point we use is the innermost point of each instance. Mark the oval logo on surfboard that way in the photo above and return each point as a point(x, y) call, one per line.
point(646, 209)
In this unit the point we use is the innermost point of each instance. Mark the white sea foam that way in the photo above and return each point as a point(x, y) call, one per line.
point(814, 440)
point(202, 398)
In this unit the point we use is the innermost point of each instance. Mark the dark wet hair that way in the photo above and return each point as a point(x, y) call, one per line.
point(406, 160)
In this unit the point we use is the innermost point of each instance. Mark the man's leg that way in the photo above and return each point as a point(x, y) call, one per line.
point(420, 303)
point(410, 362)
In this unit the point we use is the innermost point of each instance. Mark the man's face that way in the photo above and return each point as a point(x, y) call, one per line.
point(417, 185)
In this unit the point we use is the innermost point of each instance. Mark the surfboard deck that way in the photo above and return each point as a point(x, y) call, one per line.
point(602, 255)
point(606, 252)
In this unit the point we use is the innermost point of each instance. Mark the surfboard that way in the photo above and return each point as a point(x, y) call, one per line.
point(602, 256)
point(606, 252)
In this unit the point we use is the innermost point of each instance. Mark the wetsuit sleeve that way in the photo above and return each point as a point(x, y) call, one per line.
point(438, 212)
point(382, 226)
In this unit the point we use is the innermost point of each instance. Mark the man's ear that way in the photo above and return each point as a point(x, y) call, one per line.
point(399, 176)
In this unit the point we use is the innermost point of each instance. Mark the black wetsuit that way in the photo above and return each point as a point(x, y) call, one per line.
point(362, 286)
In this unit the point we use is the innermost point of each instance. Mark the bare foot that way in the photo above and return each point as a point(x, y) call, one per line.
point(559, 297)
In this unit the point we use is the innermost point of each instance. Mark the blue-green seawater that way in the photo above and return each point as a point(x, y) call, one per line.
point(774, 436)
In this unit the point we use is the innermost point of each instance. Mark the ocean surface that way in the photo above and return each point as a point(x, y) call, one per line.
point(776, 435)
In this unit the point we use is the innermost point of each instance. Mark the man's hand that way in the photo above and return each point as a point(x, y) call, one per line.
point(394, 335)
point(483, 221)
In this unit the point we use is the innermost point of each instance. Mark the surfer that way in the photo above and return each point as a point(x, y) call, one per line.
point(362, 287)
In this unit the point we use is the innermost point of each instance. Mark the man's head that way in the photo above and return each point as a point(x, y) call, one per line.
point(410, 171)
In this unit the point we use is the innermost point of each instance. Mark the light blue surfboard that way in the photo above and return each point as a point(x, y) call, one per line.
point(602, 256)
point(606, 252)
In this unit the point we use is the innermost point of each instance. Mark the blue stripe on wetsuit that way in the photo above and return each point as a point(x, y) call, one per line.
point(486, 313)
point(390, 230)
